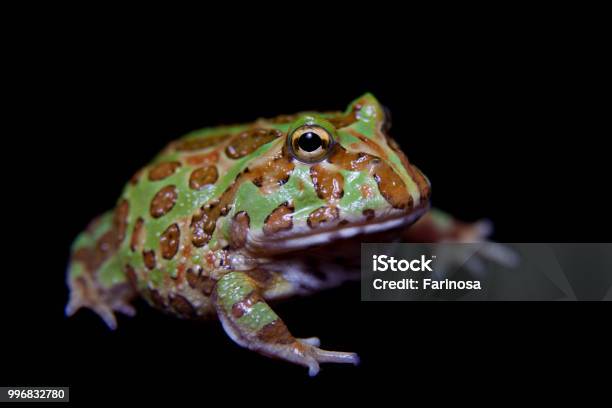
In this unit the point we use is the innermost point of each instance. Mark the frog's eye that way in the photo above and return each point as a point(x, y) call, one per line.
point(310, 143)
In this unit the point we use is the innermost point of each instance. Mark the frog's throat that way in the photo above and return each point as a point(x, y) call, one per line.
point(317, 238)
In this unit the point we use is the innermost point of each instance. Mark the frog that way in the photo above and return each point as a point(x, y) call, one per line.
point(226, 221)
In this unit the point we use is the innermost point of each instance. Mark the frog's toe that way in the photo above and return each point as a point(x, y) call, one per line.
point(101, 309)
point(326, 356)
point(124, 308)
point(106, 314)
point(84, 293)
point(312, 341)
point(313, 366)
point(475, 232)
point(313, 355)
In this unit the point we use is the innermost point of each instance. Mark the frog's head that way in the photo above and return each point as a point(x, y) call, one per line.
point(329, 176)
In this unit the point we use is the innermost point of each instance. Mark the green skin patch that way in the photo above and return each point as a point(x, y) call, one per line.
point(235, 287)
point(259, 316)
point(298, 191)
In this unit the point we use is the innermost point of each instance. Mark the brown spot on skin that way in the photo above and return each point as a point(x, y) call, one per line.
point(169, 241)
point(193, 275)
point(132, 278)
point(182, 306)
point(163, 170)
point(343, 120)
point(322, 215)
point(200, 143)
point(375, 147)
point(275, 332)
point(415, 173)
point(202, 177)
point(250, 140)
point(392, 187)
point(120, 220)
point(163, 201)
point(203, 224)
point(242, 307)
point(200, 282)
point(239, 230)
point(281, 219)
point(369, 214)
point(157, 299)
point(272, 174)
point(395, 147)
point(84, 255)
point(282, 119)
point(81, 254)
point(328, 184)
point(421, 182)
point(351, 161)
point(106, 242)
point(149, 259)
point(203, 159)
point(137, 234)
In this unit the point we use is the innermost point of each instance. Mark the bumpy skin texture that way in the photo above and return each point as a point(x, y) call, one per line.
point(206, 228)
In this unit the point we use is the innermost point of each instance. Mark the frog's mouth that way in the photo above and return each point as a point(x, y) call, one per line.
point(322, 237)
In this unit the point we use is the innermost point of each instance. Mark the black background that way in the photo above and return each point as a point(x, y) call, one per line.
point(506, 124)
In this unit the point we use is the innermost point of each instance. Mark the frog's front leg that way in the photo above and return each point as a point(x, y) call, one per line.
point(251, 322)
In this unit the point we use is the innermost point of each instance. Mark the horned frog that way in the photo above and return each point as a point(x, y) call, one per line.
point(227, 219)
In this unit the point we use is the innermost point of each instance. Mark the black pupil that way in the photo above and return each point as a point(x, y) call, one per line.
point(310, 141)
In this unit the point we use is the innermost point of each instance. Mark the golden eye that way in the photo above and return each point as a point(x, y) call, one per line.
point(310, 143)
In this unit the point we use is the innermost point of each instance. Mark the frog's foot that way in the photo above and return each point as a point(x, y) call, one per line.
point(473, 256)
point(93, 253)
point(310, 356)
point(85, 293)
point(439, 227)
point(251, 323)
